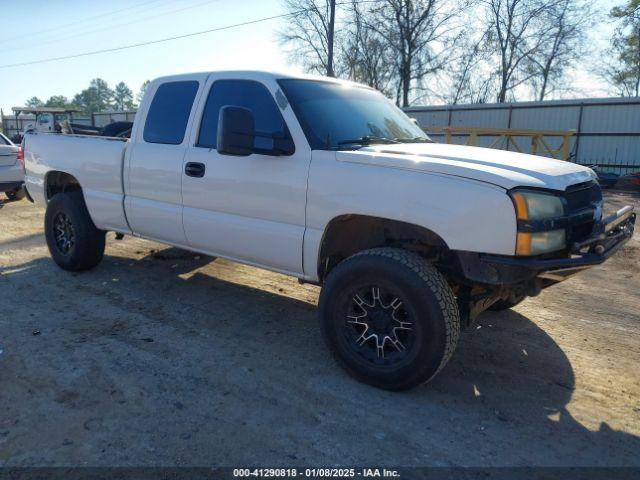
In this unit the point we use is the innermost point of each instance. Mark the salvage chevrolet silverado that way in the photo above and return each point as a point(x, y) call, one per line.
point(328, 181)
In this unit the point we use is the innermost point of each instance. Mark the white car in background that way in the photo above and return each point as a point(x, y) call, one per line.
point(11, 169)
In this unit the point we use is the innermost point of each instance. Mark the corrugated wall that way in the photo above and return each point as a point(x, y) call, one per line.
point(607, 130)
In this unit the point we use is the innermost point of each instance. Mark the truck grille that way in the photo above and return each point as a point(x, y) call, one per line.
point(582, 198)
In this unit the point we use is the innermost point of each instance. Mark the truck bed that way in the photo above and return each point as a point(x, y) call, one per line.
point(97, 164)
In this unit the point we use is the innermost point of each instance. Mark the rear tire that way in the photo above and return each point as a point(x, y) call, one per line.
point(17, 194)
point(389, 317)
point(74, 241)
point(511, 301)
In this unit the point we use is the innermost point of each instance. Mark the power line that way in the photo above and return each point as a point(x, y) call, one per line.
point(87, 25)
point(166, 39)
point(82, 20)
point(151, 42)
point(112, 27)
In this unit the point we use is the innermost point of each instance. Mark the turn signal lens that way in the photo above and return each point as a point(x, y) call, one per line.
point(523, 244)
point(522, 213)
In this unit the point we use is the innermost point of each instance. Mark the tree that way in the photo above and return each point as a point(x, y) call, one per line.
point(364, 55)
point(97, 98)
point(123, 97)
point(516, 32)
point(143, 89)
point(59, 101)
point(34, 102)
point(310, 32)
point(630, 11)
point(103, 92)
point(624, 70)
point(467, 77)
point(563, 44)
point(418, 34)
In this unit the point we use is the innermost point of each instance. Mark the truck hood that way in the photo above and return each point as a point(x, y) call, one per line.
point(498, 167)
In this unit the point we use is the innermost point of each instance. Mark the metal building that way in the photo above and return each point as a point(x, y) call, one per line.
point(607, 131)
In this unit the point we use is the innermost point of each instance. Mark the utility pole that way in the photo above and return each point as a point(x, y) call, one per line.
point(330, 35)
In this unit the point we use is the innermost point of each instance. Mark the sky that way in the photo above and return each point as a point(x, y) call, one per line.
point(66, 27)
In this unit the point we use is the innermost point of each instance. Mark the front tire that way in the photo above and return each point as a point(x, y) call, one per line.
point(389, 317)
point(74, 241)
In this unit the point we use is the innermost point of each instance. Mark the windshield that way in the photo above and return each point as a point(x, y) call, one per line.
point(334, 116)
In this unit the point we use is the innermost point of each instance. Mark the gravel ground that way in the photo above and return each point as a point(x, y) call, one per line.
point(162, 357)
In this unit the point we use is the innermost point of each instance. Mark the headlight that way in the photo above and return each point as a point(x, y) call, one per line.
point(538, 206)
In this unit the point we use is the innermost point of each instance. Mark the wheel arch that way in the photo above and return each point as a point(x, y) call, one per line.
point(348, 234)
point(58, 181)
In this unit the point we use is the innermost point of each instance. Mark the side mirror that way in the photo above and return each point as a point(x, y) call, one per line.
point(236, 131)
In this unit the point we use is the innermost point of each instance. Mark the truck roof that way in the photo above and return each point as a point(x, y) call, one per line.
point(259, 75)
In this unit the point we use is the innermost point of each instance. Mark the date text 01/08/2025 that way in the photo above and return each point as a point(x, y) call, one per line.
point(316, 472)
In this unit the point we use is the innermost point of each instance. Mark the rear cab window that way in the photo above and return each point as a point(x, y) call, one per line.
point(169, 112)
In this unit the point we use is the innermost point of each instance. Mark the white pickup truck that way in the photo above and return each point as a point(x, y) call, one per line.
point(328, 181)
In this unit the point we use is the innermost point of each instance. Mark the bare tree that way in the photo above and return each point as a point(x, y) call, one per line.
point(417, 33)
point(364, 54)
point(310, 32)
point(467, 76)
point(563, 44)
point(517, 32)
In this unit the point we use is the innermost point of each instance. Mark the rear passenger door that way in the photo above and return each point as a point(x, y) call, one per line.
point(249, 208)
point(153, 183)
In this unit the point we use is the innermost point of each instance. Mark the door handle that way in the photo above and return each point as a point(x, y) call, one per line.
point(194, 169)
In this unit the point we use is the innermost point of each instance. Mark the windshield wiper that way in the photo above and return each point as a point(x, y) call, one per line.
point(368, 140)
point(414, 140)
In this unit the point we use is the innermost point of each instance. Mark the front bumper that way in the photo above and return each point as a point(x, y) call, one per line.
point(608, 236)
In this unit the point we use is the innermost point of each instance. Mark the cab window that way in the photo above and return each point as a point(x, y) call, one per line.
point(169, 112)
point(44, 118)
point(248, 94)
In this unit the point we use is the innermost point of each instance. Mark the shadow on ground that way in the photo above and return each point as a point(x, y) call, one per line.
point(158, 361)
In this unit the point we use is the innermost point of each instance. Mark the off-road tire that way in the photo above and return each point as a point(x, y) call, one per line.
point(505, 304)
point(88, 248)
point(425, 294)
point(17, 194)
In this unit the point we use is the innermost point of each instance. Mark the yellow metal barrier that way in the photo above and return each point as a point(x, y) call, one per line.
point(540, 143)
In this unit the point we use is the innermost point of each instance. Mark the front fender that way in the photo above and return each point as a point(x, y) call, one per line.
point(468, 215)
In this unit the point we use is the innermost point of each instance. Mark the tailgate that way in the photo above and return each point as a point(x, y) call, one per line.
point(8, 155)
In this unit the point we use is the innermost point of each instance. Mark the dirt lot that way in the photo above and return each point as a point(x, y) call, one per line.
point(161, 357)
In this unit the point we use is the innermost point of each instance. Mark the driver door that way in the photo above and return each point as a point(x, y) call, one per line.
point(247, 208)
